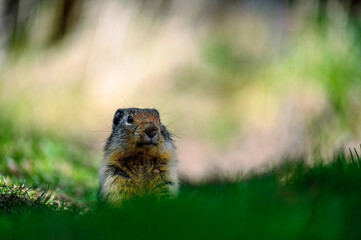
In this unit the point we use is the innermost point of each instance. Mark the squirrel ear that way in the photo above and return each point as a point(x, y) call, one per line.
point(156, 111)
point(117, 116)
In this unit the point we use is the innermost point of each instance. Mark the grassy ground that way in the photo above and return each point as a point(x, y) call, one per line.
point(291, 201)
point(45, 160)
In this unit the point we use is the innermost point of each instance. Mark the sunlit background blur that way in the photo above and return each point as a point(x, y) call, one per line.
point(241, 84)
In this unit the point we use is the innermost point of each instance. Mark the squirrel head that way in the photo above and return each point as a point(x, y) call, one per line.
point(138, 130)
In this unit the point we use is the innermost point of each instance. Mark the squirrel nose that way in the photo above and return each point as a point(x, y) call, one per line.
point(151, 132)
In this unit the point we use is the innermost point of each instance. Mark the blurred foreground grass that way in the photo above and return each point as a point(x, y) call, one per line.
point(292, 201)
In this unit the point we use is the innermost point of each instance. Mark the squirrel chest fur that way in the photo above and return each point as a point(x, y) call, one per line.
point(139, 158)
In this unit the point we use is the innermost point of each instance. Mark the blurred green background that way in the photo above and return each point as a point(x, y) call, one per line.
point(242, 84)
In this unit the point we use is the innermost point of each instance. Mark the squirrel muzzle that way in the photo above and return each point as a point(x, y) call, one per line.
point(149, 134)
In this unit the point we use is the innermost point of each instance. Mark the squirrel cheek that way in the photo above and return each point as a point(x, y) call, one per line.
point(136, 137)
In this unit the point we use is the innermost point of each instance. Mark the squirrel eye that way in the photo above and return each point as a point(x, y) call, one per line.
point(130, 119)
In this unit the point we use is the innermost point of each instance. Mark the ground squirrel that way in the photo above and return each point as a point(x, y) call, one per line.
point(139, 157)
